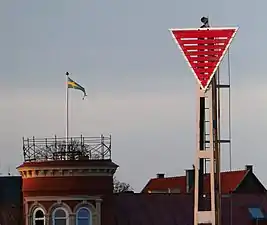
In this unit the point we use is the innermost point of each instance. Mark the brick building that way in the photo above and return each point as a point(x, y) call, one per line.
point(57, 191)
point(64, 184)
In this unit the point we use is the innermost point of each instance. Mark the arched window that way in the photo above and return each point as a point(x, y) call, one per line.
point(83, 217)
point(60, 217)
point(38, 217)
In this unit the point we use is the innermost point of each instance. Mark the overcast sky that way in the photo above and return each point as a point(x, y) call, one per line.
point(140, 89)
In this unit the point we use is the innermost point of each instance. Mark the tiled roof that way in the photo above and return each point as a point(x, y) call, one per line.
point(158, 184)
point(229, 182)
point(173, 209)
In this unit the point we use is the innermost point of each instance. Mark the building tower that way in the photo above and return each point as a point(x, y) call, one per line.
point(204, 49)
point(62, 184)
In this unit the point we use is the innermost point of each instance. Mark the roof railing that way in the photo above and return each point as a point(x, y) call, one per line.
point(75, 148)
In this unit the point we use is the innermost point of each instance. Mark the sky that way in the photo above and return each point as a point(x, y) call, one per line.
point(140, 89)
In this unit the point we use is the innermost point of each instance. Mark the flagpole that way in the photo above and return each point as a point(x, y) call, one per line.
point(67, 112)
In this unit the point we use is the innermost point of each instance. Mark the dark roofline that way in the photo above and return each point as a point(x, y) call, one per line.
point(69, 163)
point(253, 174)
point(246, 174)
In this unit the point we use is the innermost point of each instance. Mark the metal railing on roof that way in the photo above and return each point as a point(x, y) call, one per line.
point(76, 148)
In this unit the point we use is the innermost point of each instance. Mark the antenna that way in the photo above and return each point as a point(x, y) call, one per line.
point(9, 173)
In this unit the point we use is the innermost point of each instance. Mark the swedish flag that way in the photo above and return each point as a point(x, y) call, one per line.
point(75, 85)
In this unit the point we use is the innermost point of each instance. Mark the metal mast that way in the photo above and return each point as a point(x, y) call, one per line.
point(210, 124)
point(206, 120)
point(208, 151)
point(203, 49)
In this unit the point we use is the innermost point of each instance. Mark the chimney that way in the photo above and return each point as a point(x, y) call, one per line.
point(249, 167)
point(160, 175)
point(190, 177)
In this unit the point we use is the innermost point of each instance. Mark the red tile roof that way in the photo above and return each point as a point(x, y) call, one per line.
point(160, 184)
point(229, 182)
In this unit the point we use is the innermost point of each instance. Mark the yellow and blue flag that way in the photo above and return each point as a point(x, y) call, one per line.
point(75, 85)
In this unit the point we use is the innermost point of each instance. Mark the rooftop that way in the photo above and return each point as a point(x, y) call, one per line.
point(230, 180)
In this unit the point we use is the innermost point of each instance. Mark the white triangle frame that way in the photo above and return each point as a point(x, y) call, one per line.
point(221, 58)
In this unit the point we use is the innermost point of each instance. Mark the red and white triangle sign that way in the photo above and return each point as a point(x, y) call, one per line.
point(204, 49)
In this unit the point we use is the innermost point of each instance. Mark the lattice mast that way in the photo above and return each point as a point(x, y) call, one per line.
point(204, 48)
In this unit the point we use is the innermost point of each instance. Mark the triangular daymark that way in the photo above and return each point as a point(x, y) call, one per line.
point(204, 48)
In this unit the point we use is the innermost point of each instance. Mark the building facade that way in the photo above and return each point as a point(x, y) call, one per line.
point(66, 187)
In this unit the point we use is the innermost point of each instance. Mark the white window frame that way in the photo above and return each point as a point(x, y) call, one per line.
point(34, 213)
point(54, 212)
point(90, 215)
